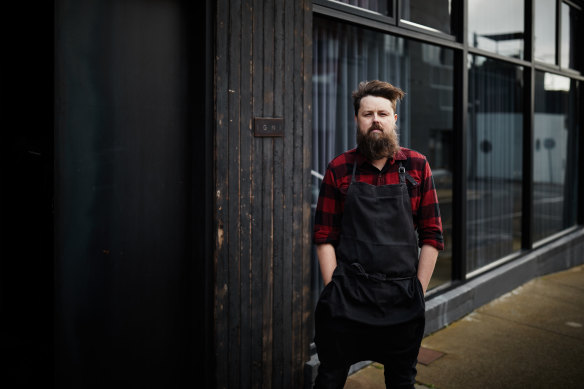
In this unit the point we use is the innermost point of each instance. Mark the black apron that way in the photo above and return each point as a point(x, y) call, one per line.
point(375, 282)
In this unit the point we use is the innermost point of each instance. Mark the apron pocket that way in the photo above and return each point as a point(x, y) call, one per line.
point(373, 302)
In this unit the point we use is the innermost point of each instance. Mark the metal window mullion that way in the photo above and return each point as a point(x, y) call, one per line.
point(580, 176)
point(527, 195)
point(397, 8)
point(528, 117)
point(457, 20)
point(459, 233)
point(529, 30)
point(558, 32)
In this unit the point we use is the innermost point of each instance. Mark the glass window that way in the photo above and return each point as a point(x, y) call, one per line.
point(544, 46)
point(494, 167)
point(383, 7)
point(344, 55)
point(497, 26)
point(571, 33)
point(555, 154)
point(431, 15)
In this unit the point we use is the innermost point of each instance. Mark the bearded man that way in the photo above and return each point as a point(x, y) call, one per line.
point(377, 206)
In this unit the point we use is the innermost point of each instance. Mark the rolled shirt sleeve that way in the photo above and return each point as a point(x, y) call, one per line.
point(327, 219)
point(429, 222)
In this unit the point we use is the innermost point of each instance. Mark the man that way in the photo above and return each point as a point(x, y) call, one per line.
point(371, 202)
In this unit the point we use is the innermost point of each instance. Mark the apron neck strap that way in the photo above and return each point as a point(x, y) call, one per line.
point(354, 169)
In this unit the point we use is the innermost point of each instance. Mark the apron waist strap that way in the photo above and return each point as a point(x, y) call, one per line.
point(357, 268)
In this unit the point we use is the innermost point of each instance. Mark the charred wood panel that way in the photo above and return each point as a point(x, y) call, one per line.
point(262, 298)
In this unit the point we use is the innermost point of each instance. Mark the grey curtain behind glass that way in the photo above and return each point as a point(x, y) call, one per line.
point(494, 168)
point(344, 56)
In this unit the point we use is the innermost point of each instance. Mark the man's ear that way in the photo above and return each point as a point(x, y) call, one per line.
point(395, 117)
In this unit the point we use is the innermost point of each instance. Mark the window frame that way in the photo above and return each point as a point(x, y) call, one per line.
point(394, 25)
point(559, 26)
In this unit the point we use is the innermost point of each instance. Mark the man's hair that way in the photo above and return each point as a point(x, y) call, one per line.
point(379, 89)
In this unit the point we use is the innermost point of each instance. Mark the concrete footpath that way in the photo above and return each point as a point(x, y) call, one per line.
point(532, 337)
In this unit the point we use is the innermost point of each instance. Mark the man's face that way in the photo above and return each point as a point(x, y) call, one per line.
point(376, 129)
point(375, 116)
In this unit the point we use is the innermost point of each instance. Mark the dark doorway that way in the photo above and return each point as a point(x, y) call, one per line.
point(26, 242)
point(105, 203)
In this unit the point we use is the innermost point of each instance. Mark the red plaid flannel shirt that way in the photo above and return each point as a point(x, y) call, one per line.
point(331, 200)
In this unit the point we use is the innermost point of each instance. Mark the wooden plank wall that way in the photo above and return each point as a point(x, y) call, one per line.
point(262, 258)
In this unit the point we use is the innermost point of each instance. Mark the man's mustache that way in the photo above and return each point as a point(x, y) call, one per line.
point(374, 127)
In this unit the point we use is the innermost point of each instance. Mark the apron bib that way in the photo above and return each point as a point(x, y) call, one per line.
point(375, 282)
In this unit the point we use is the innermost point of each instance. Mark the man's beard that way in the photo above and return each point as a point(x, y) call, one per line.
point(378, 145)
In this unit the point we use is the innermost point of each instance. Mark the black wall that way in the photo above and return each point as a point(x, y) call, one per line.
point(130, 166)
point(26, 245)
point(104, 195)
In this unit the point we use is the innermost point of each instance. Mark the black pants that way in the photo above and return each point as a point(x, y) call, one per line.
point(341, 343)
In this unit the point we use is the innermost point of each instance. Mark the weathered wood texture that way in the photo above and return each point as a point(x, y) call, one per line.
point(262, 302)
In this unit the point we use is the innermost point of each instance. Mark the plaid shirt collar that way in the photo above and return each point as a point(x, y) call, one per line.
point(399, 156)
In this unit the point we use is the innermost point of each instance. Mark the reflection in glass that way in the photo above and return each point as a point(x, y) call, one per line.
point(494, 167)
point(497, 26)
point(572, 27)
point(383, 7)
point(544, 49)
point(431, 15)
point(344, 55)
point(555, 154)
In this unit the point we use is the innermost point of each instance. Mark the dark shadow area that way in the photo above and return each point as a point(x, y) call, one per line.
point(105, 266)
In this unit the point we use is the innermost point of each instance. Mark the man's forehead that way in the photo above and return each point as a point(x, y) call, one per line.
point(376, 102)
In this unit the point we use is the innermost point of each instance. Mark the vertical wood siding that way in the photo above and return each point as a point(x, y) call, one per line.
point(262, 293)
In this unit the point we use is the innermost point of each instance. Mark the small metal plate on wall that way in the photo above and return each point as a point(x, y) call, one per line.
point(268, 126)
